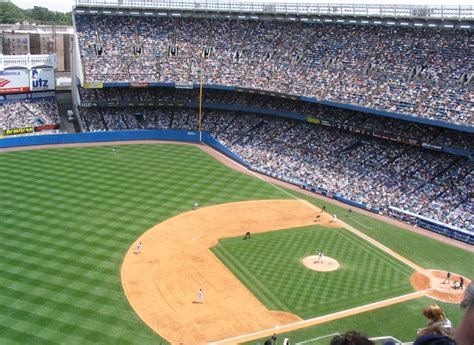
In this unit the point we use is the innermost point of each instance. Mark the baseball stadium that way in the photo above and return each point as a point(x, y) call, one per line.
point(225, 172)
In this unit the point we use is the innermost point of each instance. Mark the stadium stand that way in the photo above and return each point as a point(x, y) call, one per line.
point(28, 113)
point(367, 170)
point(253, 102)
point(393, 69)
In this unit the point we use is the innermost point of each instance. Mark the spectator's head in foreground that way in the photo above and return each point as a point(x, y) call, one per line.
point(465, 333)
point(352, 338)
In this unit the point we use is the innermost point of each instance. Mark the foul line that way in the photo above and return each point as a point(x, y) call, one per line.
point(369, 239)
point(347, 226)
point(330, 317)
point(383, 248)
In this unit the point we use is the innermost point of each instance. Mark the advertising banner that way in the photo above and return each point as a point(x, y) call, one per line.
point(16, 131)
point(14, 80)
point(96, 85)
point(42, 79)
point(46, 127)
point(313, 120)
point(139, 85)
point(188, 86)
point(27, 130)
point(88, 104)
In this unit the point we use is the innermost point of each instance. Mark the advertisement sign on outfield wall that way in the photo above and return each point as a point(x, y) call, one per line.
point(14, 80)
point(42, 79)
point(16, 131)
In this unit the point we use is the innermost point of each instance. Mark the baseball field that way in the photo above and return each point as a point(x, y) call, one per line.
point(71, 218)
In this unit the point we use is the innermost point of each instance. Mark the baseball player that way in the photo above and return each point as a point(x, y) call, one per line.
point(195, 207)
point(200, 297)
point(448, 278)
point(334, 217)
point(320, 258)
point(139, 248)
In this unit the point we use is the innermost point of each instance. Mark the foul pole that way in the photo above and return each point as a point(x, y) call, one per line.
point(200, 100)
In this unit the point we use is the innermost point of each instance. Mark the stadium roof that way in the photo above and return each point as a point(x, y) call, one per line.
point(451, 12)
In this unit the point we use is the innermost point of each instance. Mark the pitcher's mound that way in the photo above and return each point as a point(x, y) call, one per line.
point(328, 264)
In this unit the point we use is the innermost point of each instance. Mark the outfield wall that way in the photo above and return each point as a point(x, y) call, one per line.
point(205, 137)
point(109, 136)
point(91, 137)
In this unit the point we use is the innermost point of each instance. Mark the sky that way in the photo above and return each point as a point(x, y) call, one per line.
point(66, 5)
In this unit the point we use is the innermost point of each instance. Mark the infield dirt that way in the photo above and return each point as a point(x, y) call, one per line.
point(435, 284)
point(162, 282)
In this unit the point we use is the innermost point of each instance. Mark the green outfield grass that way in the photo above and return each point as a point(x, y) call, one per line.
point(270, 266)
point(68, 217)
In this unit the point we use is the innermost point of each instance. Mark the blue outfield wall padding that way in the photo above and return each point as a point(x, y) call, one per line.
point(90, 137)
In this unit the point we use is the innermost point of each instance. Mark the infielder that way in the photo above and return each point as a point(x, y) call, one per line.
point(195, 207)
point(139, 248)
point(334, 217)
point(200, 297)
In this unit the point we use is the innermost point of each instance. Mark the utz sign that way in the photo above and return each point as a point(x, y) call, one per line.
point(42, 79)
point(14, 81)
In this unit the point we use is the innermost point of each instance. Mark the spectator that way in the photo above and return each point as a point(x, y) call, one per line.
point(351, 338)
point(388, 68)
point(464, 334)
point(28, 113)
point(438, 322)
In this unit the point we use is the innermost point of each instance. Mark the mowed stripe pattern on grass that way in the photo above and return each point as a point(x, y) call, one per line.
point(270, 266)
point(69, 215)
